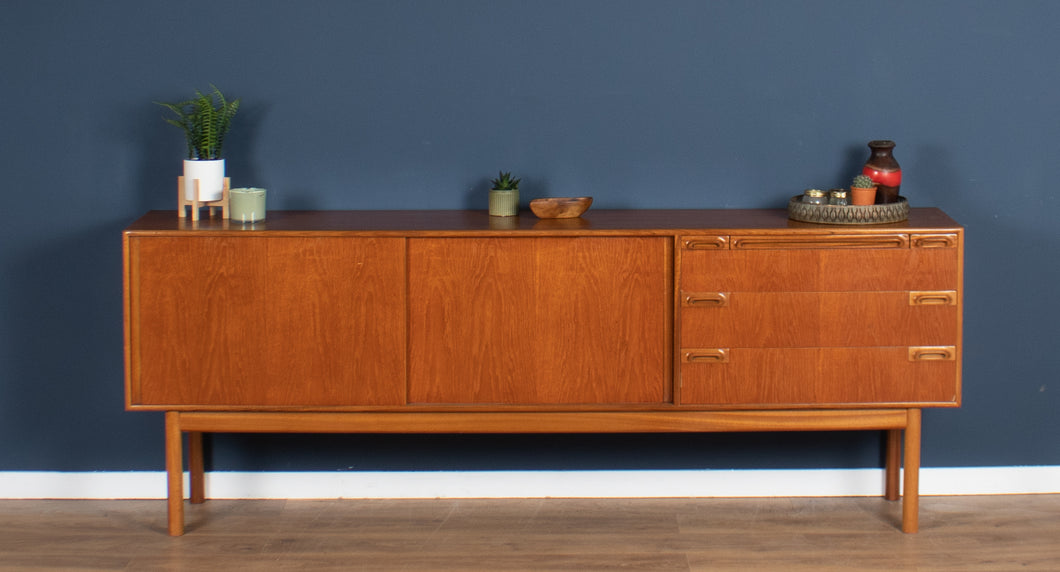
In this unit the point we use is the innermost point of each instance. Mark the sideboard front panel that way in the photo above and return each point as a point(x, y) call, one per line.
point(278, 321)
point(804, 319)
point(540, 320)
point(309, 314)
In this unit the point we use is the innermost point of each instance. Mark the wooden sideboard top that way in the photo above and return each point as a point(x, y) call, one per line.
point(478, 222)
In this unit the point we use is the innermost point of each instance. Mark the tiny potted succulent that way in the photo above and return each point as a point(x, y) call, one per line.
point(205, 120)
point(504, 195)
point(862, 191)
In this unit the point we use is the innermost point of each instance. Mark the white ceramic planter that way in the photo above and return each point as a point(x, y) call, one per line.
point(211, 176)
point(246, 205)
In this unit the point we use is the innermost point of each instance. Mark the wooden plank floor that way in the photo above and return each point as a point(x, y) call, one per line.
point(957, 533)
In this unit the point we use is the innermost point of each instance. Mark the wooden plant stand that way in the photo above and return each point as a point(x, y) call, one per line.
point(197, 204)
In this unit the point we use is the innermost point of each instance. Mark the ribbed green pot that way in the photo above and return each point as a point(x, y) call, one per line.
point(504, 203)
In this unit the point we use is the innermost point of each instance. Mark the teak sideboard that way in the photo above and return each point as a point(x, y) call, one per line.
point(622, 321)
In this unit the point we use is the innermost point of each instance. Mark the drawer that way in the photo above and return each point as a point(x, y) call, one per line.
point(813, 263)
point(811, 319)
point(820, 376)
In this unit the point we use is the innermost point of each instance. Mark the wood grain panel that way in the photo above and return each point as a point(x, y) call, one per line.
point(825, 270)
point(802, 319)
point(540, 320)
point(199, 302)
point(543, 422)
point(625, 222)
point(336, 322)
point(274, 322)
point(819, 376)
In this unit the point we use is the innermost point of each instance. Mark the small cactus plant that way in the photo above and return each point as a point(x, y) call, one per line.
point(863, 182)
point(505, 182)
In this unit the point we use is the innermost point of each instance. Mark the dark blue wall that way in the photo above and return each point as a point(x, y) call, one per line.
point(414, 104)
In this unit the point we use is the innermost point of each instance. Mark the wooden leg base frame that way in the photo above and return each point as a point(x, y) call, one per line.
point(894, 421)
point(195, 204)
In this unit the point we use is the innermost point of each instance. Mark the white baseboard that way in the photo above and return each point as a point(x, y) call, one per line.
point(530, 484)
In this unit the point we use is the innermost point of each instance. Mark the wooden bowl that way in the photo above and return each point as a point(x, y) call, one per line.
point(560, 207)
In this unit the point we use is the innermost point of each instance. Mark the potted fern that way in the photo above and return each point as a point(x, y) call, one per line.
point(862, 191)
point(504, 195)
point(205, 120)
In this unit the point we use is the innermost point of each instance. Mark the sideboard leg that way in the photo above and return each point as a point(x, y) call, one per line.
point(893, 464)
point(174, 473)
point(911, 484)
point(196, 468)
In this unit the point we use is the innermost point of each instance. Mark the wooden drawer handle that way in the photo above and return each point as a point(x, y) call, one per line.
point(932, 353)
point(707, 243)
point(935, 298)
point(719, 355)
point(934, 240)
point(836, 241)
point(707, 299)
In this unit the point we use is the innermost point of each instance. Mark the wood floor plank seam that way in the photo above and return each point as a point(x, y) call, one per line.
point(966, 533)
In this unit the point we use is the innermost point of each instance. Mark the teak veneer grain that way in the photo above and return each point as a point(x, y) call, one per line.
point(618, 321)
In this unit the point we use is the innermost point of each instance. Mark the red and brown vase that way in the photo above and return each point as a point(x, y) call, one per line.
point(883, 169)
